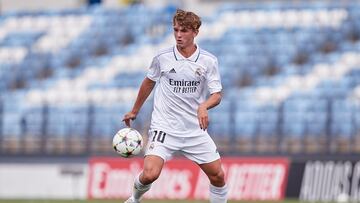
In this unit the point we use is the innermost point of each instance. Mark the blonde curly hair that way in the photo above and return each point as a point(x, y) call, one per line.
point(187, 19)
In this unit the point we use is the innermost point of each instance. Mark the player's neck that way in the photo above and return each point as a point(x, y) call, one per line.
point(187, 51)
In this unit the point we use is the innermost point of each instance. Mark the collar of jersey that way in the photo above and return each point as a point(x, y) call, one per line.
point(194, 57)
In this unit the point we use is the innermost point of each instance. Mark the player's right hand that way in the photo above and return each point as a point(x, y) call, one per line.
point(127, 117)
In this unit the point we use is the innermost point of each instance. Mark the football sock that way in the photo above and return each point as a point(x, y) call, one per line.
point(139, 188)
point(218, 194)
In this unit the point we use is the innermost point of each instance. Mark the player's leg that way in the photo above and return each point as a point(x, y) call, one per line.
point(202, 150)
point(142, 183)
point(218, 188)
point(158, 151)
point(152, 169)
point(214, 172)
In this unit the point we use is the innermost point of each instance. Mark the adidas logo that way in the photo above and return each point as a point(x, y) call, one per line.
point(172, 71)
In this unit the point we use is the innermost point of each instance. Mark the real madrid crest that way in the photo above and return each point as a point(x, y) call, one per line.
point(152, 145)
point(199, 72)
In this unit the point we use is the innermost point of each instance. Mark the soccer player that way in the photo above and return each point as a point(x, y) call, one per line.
point(185, 75)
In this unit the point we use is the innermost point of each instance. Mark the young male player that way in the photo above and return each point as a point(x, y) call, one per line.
point(185, 75)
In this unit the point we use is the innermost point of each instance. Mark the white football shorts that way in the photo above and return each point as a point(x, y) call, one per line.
point(200, 149)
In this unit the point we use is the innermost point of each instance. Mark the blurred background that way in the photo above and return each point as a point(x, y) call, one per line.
point(70, 70)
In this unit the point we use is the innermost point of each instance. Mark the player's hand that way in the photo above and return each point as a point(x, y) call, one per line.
point(127, 117)
point(203, 117)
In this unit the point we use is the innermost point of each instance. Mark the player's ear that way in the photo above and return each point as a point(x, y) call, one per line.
point(195, 33)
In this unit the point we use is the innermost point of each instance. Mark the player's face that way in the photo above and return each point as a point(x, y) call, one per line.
point(184, 36)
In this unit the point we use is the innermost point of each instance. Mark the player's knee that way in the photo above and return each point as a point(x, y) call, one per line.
point(149, 176)
point(218, 178)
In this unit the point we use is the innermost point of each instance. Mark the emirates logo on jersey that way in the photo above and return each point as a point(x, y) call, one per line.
point(184, 86)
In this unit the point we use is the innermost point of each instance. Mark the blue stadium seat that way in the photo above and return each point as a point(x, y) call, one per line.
point(250, 58)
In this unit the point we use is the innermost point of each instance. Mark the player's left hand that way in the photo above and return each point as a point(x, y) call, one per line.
point(203, 117)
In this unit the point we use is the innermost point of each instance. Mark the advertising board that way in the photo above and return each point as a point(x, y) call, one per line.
point(247, 179)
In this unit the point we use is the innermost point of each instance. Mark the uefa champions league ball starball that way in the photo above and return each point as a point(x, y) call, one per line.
point(127, 142)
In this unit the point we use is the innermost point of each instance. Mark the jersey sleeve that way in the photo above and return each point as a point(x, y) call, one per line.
point(213, 78)
point(154, 70)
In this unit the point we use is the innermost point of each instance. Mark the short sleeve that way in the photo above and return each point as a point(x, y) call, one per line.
point(213, 78)
point(154, 70)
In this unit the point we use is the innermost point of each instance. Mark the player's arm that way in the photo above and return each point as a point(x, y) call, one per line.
point(145, 89)
point(211, 102)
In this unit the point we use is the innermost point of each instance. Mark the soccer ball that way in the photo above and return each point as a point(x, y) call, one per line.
point(127, 142)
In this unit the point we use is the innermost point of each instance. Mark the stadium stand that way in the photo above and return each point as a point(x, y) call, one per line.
point(290, 73)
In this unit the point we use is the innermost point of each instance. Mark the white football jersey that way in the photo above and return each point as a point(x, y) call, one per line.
point(182, 85)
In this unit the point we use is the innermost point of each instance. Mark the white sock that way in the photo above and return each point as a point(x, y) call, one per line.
point(139, 188)
point(218, 194)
